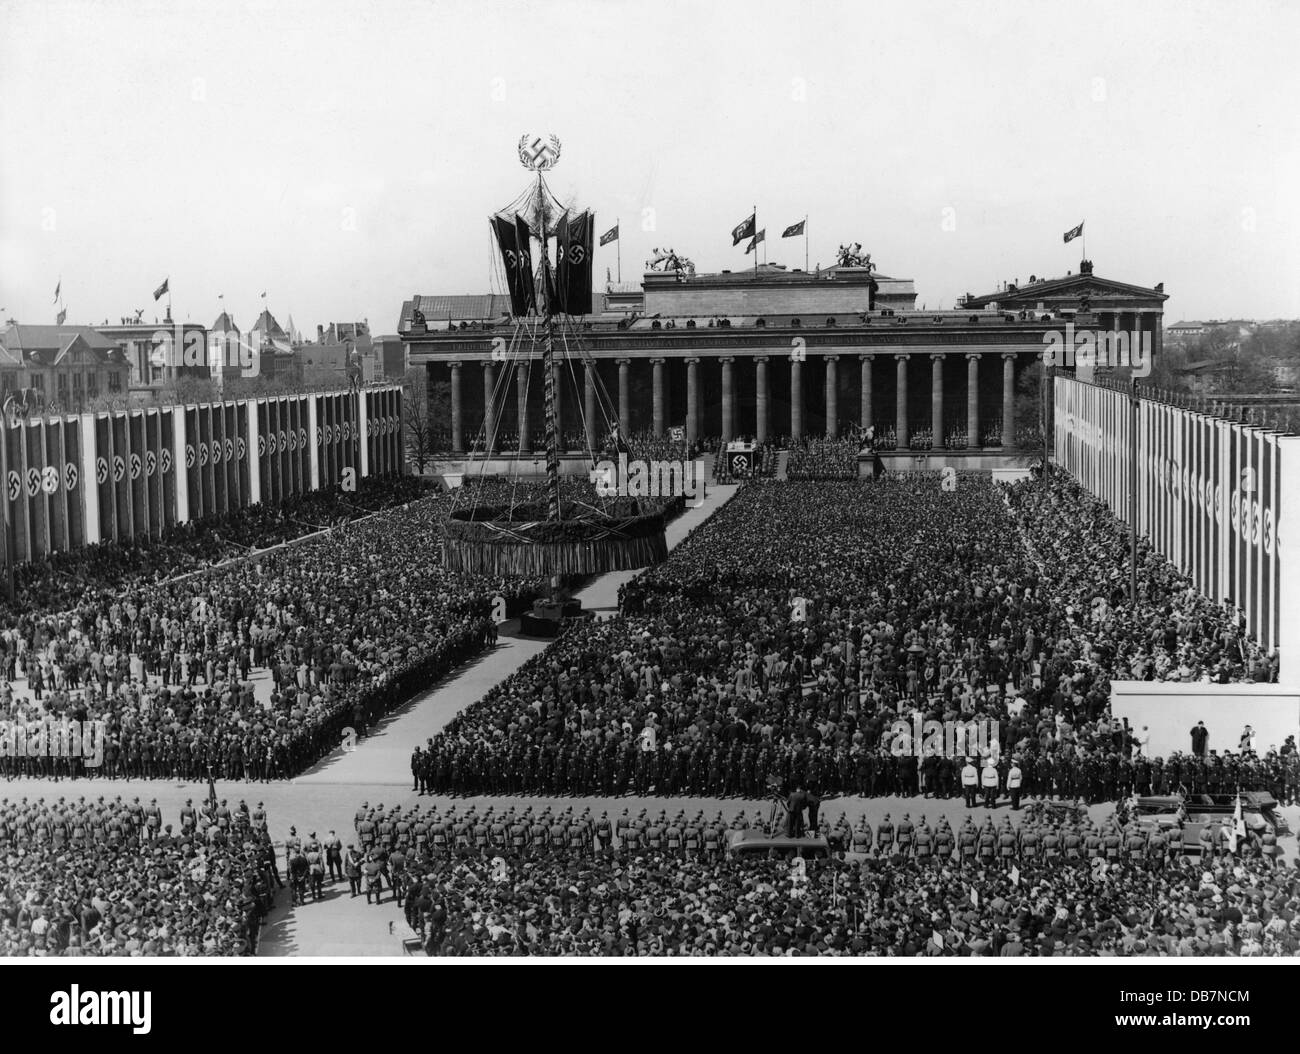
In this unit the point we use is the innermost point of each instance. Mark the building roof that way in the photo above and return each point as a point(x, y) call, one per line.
point(268, 326)
point(470, 307)
point(1067, 287)
point(1205, 366)
point(224, 324)
point(46, 345)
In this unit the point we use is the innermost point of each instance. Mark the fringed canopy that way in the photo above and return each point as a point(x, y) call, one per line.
point(496, 540)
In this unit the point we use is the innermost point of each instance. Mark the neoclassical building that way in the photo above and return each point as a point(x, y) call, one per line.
point(771, 353)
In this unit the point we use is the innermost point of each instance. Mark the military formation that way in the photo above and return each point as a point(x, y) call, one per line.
point(109, 876)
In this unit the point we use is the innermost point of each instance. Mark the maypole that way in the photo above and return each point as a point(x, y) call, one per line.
point(550, 392)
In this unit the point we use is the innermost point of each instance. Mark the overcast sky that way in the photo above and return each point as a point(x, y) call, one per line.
point(343, 156)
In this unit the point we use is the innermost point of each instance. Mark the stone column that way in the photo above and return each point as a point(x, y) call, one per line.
point(692, 400)
point(658, 421)
point(796, 399)
point(900, 419)
point(728, 400)
point(489, 407)
point(936, 400)
point(521, 402)
point(760, 400)
point(457, 432)
point(867, 409)
point(1008, 399)
point(624, 407)
point(973, 437)
point(832, 396)
point(589, 403)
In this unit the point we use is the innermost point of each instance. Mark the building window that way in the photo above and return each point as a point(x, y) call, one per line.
point(78, 390)
point(92, 385)
point(114, 381)
point(61, 385)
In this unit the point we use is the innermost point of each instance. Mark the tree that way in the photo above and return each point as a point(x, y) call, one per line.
point(417, 419)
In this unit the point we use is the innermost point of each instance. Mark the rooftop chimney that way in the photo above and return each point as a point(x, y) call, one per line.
point(320, 334)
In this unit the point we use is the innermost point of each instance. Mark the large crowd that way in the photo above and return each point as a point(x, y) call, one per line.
point(563, 883)
point(110, 878)
point(825, 458)
point(793, 628)
point(348, 623)
point(54, 582)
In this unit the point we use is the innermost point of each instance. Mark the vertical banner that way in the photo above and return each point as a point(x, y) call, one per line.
point(167, 464)
point(121, 477)
point(73, 491)
point(253, 410)
point(263, 451)
point(16, 492)
point(136, 471)
point(56, 505)
point(241, 452)
point(314, 440)
point(209, 469)
point(38, 512)
point(363, 433)
point(216, 443)
point(304, 446)
point(1264, 546)
point(152, 471)
point(193, 480)
point(103, 478)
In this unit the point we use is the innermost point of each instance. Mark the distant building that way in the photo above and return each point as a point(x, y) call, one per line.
point(62, 368)
point(224, 346)
point(1184, 330)
point(1208, 375)
point(159, 354)
point(275, 355)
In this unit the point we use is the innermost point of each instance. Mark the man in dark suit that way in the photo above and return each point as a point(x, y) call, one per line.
point(1200, 739)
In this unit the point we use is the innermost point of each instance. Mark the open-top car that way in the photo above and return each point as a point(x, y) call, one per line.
point(756, 843)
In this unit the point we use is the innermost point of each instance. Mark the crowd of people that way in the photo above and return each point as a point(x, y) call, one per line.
point(110, 878)
point(823, 458)
point(349, 623)
point(515, 883)
point(793, 628)
point(54, 582)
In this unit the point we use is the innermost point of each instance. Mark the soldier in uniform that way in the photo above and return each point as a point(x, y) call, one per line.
point(943, 840)
point(924, 842)
point(292, 846)
point(1007, 844)
point(315, 867)
point(904, 835)
point(1014, 779)
point(861, 839)
point(988, 840)
point(970, 779)
point(334, 856)
point(967, 840)
point(1030, 842)
point(885, 837)
point(1092, 847)
point(604, 833)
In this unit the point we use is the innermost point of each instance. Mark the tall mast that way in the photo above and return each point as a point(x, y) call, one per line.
point(551, 389)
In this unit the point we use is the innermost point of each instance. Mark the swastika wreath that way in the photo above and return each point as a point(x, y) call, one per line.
point(497, 540)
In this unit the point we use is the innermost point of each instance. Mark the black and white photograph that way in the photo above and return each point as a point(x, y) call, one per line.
point(890, 559)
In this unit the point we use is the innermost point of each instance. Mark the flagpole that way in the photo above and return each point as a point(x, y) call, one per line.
point(755, 235)
point(618, 246)
point(805, 243)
